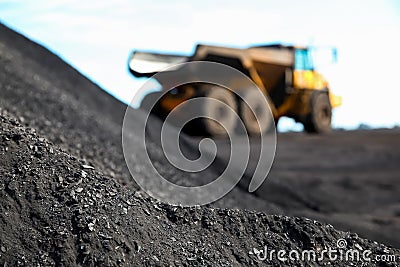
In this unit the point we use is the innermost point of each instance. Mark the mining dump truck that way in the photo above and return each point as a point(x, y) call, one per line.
point(285, 74)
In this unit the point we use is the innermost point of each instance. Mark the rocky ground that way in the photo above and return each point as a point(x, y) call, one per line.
point(68, 198)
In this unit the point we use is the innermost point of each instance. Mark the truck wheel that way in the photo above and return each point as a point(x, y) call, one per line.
point(225, 117)
point(265, 120)
point(320, 116)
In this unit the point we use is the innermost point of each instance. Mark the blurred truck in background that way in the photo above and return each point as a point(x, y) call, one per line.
point(285, 74)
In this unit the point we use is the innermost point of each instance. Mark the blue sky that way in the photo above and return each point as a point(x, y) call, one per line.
point(96, 37)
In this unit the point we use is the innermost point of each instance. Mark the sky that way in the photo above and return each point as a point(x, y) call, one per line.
point(96, 37)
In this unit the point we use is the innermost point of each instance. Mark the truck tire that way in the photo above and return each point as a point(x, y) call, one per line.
point(265, 122)
point(320, 117)
point(225, 117)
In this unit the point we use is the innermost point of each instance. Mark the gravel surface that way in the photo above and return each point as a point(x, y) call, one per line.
point(67, 197)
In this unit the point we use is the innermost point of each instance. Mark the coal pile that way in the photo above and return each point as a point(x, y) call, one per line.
point(57, 209)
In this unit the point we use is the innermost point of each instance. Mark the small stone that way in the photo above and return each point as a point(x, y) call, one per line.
point(91, 227)
point(358, 246)
point(3, 249)
point(60, 179)
point(125, 211)
point(155, 258)
point(79, 189)
point(83, 174)
point(87, 167)
point(137, 246)
point(105, 236)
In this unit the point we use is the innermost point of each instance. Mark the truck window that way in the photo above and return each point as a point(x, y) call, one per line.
point(303, 60)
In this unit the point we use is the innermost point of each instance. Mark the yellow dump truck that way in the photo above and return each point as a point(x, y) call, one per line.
point(285, 74)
